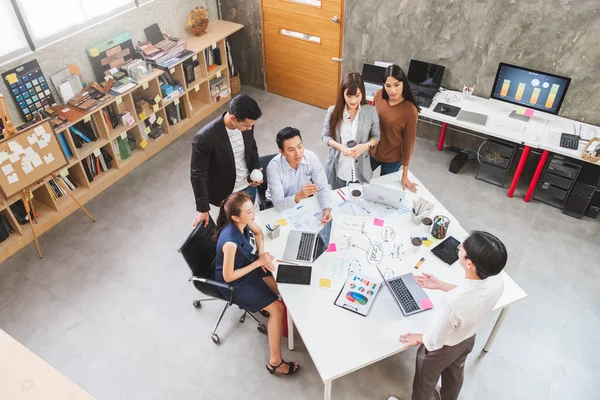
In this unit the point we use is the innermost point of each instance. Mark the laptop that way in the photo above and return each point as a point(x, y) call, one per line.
point(373, 77)
point(411, 298)
point(474, 118)
point(425, 81)
point(306, 247)
point(383, 195)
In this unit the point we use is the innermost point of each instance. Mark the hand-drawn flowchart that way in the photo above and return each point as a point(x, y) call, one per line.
point(360, 244)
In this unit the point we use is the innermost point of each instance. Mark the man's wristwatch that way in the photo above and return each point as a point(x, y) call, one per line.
point(328, 208)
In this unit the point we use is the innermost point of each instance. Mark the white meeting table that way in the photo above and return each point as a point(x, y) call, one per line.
point(340, 342)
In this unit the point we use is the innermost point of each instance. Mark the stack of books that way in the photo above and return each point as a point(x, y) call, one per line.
point(123, 147)
point(82, 133)
point(219, 88)
point(57, 190)
point(96, 163)
point(165, 53)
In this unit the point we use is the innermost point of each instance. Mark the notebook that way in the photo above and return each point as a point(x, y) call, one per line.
point(357, 294)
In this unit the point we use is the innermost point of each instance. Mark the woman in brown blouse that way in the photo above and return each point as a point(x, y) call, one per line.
point(398, 114)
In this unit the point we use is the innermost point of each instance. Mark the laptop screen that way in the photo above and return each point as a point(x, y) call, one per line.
point(425, 74)
point(323, 239)
point(373, 74)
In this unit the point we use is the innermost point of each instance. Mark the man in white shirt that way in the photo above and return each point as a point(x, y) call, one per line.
point(464, 309)
point(295, 174)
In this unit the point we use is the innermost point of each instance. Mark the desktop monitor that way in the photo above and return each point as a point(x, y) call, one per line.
point(373, 73)
point(529, 88)
point(425, 74)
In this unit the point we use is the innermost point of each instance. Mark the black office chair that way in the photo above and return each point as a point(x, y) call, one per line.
point(262, 189)
point(200, 252)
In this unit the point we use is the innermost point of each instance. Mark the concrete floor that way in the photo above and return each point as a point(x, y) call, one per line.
point(110, 306)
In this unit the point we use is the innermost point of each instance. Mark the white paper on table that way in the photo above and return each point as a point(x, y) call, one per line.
point(49, 158)
point(8, 169)
point(14, 157)
point(36, 160)
point(12, 178)
point(42, 143)
point(32, 139)
point(588, 131)
point(3, 156)
point(47, 137)
point(39, 130)
point(304, 216)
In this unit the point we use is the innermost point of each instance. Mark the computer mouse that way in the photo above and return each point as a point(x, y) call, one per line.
point(443, 108)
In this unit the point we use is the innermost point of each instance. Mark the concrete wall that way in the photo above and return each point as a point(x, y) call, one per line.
point(469, 37)
point(171, 16)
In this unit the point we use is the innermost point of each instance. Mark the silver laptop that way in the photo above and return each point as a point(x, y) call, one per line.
point(373, 77)
point(411, 298)
point(305, 246)
point(474, 118)
point(381, 194)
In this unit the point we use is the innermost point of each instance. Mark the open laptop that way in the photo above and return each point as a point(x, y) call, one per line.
point(425, 81)
point(383, 195)
point(373, 77)
point(411, 298)
point(305, 246)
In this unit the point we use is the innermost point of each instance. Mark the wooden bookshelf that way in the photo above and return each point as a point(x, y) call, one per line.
point(197, 105)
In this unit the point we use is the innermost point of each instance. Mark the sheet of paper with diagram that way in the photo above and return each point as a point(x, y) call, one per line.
point(358, 245)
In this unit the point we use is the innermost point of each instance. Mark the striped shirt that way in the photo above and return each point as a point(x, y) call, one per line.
point(241, 170)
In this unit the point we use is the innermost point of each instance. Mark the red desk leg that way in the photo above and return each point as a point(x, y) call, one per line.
point(284, 321)
point(519, 170)
point(442, 136)
point(536, 176)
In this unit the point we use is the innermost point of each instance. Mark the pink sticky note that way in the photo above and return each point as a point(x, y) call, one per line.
point(426, 304)
point(378, 222)
point(331, 248)
point(529, 112)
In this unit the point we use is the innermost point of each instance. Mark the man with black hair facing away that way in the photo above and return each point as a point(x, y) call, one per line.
point(463, 310)
point(224, 153)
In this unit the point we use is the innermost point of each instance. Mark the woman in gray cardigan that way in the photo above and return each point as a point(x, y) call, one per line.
point(351, 127)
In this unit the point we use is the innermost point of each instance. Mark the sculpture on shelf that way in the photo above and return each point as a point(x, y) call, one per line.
point(197, 21)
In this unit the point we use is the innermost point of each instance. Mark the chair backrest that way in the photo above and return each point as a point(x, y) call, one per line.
point(262, 189)
point(200, 250)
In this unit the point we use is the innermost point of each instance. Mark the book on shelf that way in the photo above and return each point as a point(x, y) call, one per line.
point(64, 145)
point(6, 228)
point(124, 147)
point(94, 164)
point(56, 190)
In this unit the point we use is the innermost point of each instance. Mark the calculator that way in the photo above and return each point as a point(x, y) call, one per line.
point(569, 141)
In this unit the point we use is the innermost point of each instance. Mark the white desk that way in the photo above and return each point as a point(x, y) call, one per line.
point(341, 342)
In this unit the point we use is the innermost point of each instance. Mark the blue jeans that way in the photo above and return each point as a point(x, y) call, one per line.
point(386, 167)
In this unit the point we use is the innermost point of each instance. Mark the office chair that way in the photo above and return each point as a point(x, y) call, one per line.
point(200, 253)
point(262, 189)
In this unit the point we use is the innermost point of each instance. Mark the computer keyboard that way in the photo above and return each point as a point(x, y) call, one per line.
point(306, 246)
point(406, 299)
point(510, 125)
point(423, 101)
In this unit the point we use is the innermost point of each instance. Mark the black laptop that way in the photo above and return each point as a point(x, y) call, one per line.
point(425, 81)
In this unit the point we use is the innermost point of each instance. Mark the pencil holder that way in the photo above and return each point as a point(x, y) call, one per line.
point(273, 230)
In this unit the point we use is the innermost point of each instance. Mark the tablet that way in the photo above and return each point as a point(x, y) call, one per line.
point(447, 250)
point(298, 274)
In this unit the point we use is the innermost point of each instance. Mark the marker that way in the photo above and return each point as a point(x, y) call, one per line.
point(339, 192)
point(420, 262)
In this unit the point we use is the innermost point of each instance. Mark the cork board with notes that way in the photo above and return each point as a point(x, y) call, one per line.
point(28, 157)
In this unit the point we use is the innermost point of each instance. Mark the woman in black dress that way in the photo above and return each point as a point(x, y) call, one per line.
point(243, 263)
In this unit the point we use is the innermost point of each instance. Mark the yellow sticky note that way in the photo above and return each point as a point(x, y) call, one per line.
point(147, 130)
point(325, 283)
point(94, 52)
point(521, 110)
point(282, 222)
point(64, 172)
point(159, 120)
point(143, 144)
point(87, 118)
point(11, 78)
point(427, 243)
point(145, 85)
point(157, 99)
point(119, 100)
point(155, 108)
point(143, 116)
point(196, 88)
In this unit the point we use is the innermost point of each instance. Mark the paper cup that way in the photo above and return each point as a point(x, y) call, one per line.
point(416, 244)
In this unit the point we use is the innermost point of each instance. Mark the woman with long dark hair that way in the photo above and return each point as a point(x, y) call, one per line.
point(243, 263)
point(350, 129)
point(398, 113)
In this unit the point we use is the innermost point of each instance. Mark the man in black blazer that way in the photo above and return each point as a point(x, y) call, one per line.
point(224, 153)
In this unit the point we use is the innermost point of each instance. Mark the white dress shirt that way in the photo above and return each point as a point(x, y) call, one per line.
point(463, 311)
point(284, 182)
point(348, 129)
point(239, 155)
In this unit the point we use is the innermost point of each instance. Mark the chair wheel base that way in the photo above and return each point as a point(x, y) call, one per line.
point(197, 303)
point(242, 319)
point(215, 338)
point(261, 328)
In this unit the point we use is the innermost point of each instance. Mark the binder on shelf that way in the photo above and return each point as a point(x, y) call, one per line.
point(64, 145)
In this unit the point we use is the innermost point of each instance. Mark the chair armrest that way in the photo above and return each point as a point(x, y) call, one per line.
point(214, 283)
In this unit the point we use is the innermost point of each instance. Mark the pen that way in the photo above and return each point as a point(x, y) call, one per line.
point(339, 194)
point(419, 262)
point(367, 211)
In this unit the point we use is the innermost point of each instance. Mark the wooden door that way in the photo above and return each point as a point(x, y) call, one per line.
point(303, 49)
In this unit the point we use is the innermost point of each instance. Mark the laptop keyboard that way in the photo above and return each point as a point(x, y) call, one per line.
point(423, 101)
point(306, 246)
point(403, 294)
